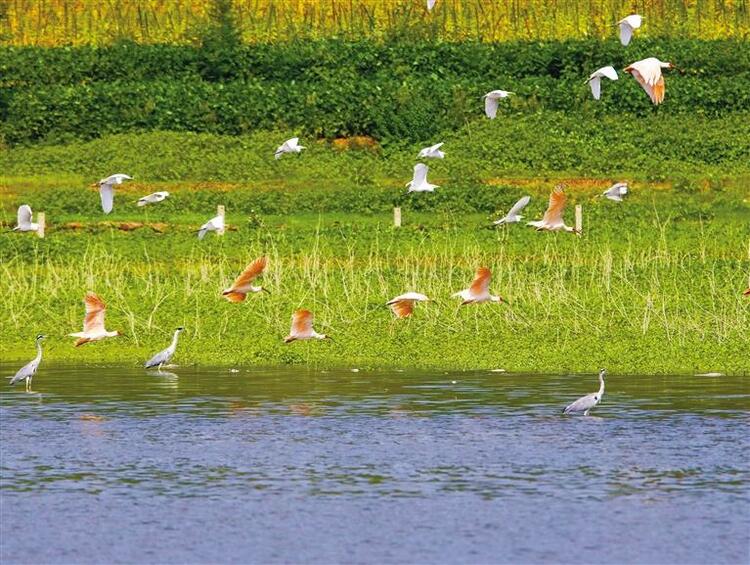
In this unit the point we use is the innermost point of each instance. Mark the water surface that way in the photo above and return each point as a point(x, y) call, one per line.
point(115, 464)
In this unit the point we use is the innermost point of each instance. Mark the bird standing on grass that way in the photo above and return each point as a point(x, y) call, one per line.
point(23, 219)
point(289, 146)
point(419, 183)
point(616, 192)
point(153, 198)
point(107, 190)
point(242, 284)
point(595, 80)
point(586, 403)
point(93, 323)
point(403, 305)
point(648, 74)
point(552, 219)
point(432, 152)
point(491, 100)
point(214, 224)
point(628, 25)
point(165, 355)
point(28, 371)
point(479, 291)
point(302, 322)
point(513, 216)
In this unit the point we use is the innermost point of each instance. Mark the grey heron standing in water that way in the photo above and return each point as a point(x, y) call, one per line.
point(164, 356)
point(28, 371)
point(586, 403)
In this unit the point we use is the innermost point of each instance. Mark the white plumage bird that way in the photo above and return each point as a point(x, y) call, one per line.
point(242, 285)
point(403, 304)
point(302, 327)
point(214, 224)
point(107, 190)
point(23, 219)
point(430, 4)
point(553, 217)
point(93, 322)
point(648, 74)
point(27, 372)
point(627, 26)
point(432, 152)
point(479, 291)
point(419, 183)
point(164, 356)
point(595, 80)
point(491, 101)
point(153, 198)
point(586, 403)
point(616, 192)
point(513, 216)
point(289, 146)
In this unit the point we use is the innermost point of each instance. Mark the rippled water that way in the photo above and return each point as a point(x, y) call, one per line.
point(113, 464)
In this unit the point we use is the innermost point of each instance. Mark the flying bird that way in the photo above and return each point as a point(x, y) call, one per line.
point(302, 322)
point(586, 403)
point(153, 198)
point(214, 224)
point(403, 305)
point(595, 80)
point(553, 220)
point(107, 190)
point(648, 74)
point(93, 323)
point(616, 192)
point(491, 100)
point(514, 216)
point(419, 183)
point(479, 291)
point(628, 25)
point(165, 355)
point(28, 371)
point(23, 219)
point(289, 146)
point(432, 152)
point(242, 284)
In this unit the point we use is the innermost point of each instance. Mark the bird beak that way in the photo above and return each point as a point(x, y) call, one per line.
point(94, 185)
point(329, 337)
point(264, 289)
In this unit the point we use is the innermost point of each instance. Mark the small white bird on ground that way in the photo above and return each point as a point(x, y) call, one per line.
point(553, 217)
point(302, 322)
point(164, 356)
point(419, 183)
point(28, 371)
point(491, 100)
point(153, 198)
point(628, 25)
point(243, 283)
point(595, 80)
point(23, 219)
point(648, 74)
point(432, 152)
point(616, 192)
point(107, 190)
point(586, 403)
point(289, 146)
point(514, 216)
point(479, 291)
point(214, 224)
point(93, 323)
point(403, 305)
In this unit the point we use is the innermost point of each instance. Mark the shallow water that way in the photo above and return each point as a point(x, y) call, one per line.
point(113, 464)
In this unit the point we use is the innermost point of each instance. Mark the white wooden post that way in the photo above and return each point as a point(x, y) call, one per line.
point(396, 217)
point(42, 222)
point(220, 212)
point(579, 218)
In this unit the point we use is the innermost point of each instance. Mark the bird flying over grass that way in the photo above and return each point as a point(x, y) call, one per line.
point(553, 217)
point(107, 190)
point(153, 198)
point(627, 26)
point(586, 403)
point(419, 183)
point(93, 322)
point(403, 304)
point(513, 216)
point(302, 327)
point(595, 80)
point(289, 146)
point(432, 152)
point(479, 291)
point(491, 101)
point(648, 74)
point(616, 192)
point(214, 224)
point(242, 285)
point(23, 219)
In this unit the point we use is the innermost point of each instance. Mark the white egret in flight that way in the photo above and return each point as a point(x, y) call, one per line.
point(302, 327)
point(616, 192)
point(419, 183)
point(153, 198)
point(628, 25)
point(214, 224)
point(403, 304)
point(243, 283)
point(107, 190)
point(93, 323)
point(553, 217)
point(491, 100)
point(432, 152)
point(479, 291)
point(648, 74)
point(586, 403)
point(514, 216)
point(595, 80)
point(289, 146)
point(23, 219)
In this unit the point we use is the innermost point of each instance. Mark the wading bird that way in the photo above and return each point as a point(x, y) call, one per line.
point(403, 305)
point(648, 74)
point(23, 219)
point(514, 216)
point(28, 371)
point(432, 152)
point(93, 323)
point(242, 284)
point(289, 146)
point(627, 26)
point(419, 183)
point(165, 355)
point(214, 224)
point(302, 322)
point(491, 100)
point(586, 403)
point(479, 291)
point(107, 190)
point(595, 80)
point(616, 192)
point(153, 198)
point(552, 219)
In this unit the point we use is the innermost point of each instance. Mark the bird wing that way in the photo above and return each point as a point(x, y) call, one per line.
point(481, 283)
point(431, 4)
point(490, 107)
point(402, 308)
point(634, 20)
point(420, 174)
point(95, 309)
point(302, 321)
point(436, 146)
point(609, 72)
point(23, 218)
point(158, 359)
point(242, 282)
point(292, 143)
point(107, 194)
point(414, 296)
point(596, 87)
point(626, 32)
point(518, 206)
point(553, 215)
point(583, 403)
point(659, 90)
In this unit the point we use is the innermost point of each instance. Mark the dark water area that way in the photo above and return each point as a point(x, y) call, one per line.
point(116, 464)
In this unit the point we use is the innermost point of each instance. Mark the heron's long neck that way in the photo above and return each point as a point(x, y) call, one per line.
point(174, 340)
point(601, 386)
point(38, 351)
